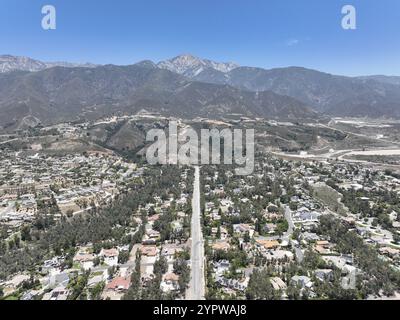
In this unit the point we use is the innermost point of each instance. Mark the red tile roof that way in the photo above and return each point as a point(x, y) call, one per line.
point(119, 283)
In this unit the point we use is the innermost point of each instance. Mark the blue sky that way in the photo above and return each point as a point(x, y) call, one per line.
point(264, 33)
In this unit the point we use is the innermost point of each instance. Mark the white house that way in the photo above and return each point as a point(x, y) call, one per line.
point(110, 256)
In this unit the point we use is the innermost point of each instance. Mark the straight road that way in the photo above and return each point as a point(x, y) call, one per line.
point(196, 288)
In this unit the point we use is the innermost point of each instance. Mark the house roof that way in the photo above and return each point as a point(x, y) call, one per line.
point(171, 249)
point(222, 245)
point(109, 252)
point(268, 244)
point(278, 283)
point(152, 232)
point(119, 283)
point(154, 217)
point(171, 277)
point(84, 257)
point(148, 250)
point(322, 243)
point(389, 250)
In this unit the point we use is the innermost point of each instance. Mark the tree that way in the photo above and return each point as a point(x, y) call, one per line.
point(293, 292)
point(293, 206)
point(96, 261)
point(260, 287)
point(95, 292)
point(26, 233)
point(312, 260)
point(153, 290)
point(282, 227)
point(3, 247)
point(17, 241)
point(112, 270)
point(77, 285)
point(218, 235)
point(107, 222)
point(134, 292)
point(246, 237)
point(70, 213)
point(182, 269)
point(123, 257)
point(161, 266)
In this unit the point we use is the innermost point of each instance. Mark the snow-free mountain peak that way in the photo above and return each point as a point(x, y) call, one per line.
point(191, 66)
point(9, 63)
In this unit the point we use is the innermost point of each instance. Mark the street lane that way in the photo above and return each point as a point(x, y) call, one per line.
point(196, 290)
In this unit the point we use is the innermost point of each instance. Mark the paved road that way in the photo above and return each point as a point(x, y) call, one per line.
point(4, 142)
point(197, 282)
point(288, 217)
point(288, 234)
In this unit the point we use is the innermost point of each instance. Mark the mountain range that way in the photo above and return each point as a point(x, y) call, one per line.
point(333, 95)
point(10, 63)
point(185, 86)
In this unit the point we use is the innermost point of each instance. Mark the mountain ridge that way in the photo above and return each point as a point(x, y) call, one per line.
point(10, 63)
point(66, 94)
point(38, 86)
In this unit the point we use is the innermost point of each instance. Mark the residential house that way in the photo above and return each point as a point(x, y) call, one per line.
point(267, 244)
point(170, 282)
point(110, 256)
point(85, 260)
point(301, 281)
point(221, 245)
point(324, 274)
point(60, 294)
point(119, 284)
